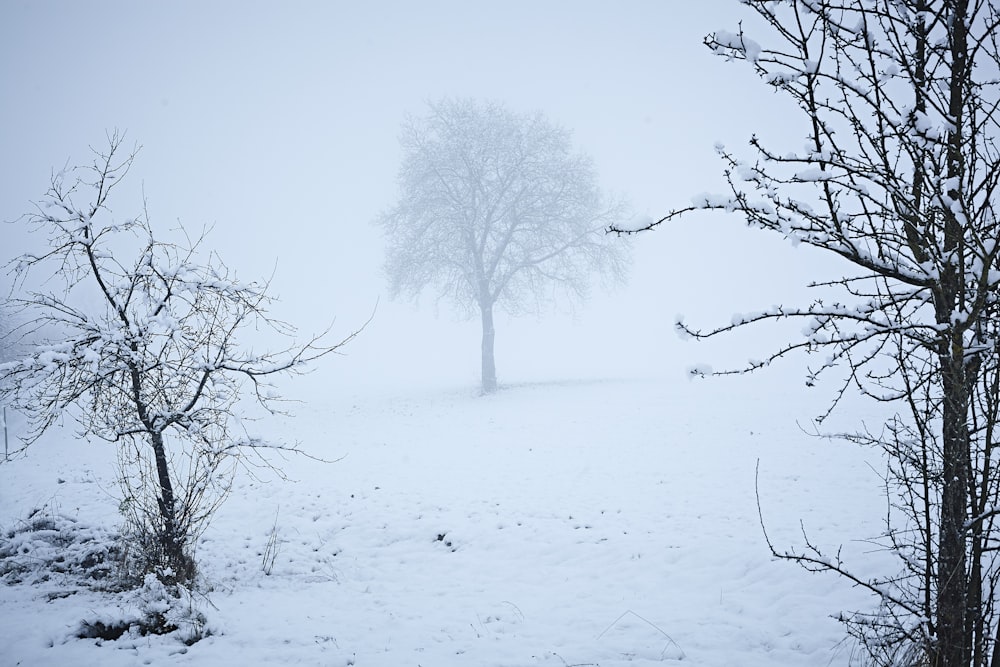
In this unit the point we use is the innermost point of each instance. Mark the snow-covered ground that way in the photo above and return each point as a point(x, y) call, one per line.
point(605, 522)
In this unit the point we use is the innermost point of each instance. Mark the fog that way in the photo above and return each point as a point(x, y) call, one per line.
point(276, 126)
point(550, 520)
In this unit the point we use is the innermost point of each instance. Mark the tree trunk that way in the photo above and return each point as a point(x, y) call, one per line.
point(170, 539)
point(489, 366)
point(953, 639)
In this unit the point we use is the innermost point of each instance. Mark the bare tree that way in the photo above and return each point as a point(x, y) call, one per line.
point(898, 102)
point(145, 352)
point(496, 210)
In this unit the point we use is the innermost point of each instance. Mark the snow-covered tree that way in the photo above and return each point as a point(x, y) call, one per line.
point(497, 210)
point(140, 342)
point(898, 104)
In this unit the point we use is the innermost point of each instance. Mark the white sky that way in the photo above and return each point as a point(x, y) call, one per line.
point(277, 123)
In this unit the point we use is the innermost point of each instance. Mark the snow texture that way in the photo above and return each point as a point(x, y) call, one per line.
point(605, 523)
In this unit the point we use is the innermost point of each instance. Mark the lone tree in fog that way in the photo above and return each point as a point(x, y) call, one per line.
point(900, 178)
point(497, 210)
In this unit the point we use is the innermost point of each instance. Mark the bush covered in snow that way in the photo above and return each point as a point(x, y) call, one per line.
point(48, 544)
point(66, 555)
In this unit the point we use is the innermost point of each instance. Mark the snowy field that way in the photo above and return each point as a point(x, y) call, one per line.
point(606, 522)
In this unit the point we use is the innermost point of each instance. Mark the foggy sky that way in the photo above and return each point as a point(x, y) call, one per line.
point(277, 124)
